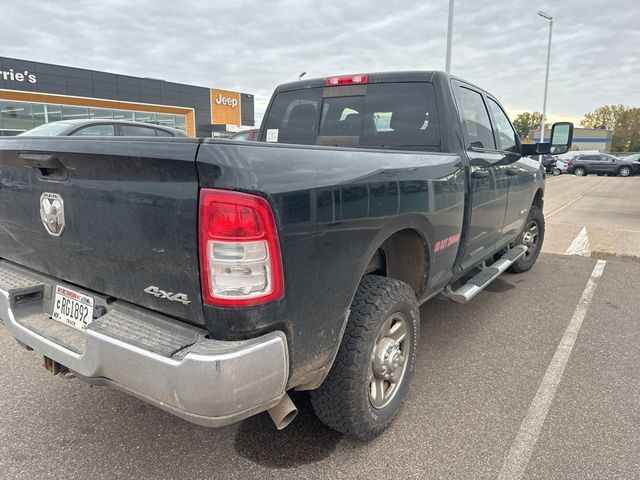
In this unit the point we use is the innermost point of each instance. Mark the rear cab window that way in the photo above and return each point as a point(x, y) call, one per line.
point(375, 115)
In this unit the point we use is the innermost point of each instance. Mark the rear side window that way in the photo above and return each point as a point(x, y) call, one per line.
point(590, 158)
point(475, 118)
point(383, 115)
point(136, 131)
point(95, 131)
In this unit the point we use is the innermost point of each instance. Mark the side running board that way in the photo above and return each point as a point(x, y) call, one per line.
point(487, 275)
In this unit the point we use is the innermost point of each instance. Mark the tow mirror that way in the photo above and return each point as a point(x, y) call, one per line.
point(560, 142)
point(561, 137)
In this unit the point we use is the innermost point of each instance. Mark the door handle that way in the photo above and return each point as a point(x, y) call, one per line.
point(48, 166)
point(512, 172)
point(480, 174)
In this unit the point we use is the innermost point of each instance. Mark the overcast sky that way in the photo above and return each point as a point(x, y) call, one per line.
point(254, 45)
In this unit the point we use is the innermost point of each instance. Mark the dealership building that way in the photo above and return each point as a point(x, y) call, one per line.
point(33, 93)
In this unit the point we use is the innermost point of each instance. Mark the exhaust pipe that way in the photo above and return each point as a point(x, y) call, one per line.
point(284, 412)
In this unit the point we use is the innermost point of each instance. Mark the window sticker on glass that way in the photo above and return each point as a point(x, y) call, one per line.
point(272, 135)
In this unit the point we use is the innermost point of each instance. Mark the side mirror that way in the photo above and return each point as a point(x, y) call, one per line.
point(561, 137)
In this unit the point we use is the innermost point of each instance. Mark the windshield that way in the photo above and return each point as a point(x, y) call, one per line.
point(47, 130)
point(384, 115)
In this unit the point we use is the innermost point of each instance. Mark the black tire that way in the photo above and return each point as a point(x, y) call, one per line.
point(343, 401)
point(624, 171)
point(525, 262)
point(580, 171)
point(601, 174)
point(556, 171)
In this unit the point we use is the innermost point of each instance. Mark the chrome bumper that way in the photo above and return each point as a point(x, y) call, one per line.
point(160, 360)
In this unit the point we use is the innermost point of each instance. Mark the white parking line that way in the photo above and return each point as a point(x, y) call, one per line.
point(517, 460)
point(577, 198)
point(580, 244)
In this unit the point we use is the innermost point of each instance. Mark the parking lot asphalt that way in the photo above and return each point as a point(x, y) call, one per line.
point(605, 207)
point(480, 369)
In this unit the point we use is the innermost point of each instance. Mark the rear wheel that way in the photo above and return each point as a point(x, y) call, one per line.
point(624, 171)
point(556, 171)
point(532, 236)
point(372, 371)
point(580, 171)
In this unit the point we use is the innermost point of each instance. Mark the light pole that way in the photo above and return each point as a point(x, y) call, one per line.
point(302, 74)
point(546, 76)
point(449, 37)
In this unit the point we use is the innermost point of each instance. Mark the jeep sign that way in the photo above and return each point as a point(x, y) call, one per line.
point(232, 102)
point(225, 107)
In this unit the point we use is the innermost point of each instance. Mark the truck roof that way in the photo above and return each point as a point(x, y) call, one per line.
point(376, 77)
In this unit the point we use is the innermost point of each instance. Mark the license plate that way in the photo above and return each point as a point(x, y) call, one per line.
point(72, 308)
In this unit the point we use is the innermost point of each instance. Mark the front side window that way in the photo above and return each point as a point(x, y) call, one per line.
point(505, 133)
point(475, 119)
point(95, 131)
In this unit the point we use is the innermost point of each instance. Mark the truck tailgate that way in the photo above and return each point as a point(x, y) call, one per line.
point(130, 216)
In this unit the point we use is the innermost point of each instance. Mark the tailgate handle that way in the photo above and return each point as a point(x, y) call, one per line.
point(48, 166)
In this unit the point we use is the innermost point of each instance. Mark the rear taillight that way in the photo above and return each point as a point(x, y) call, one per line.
point(570, 162)
point(240, 263)
point(347, 80)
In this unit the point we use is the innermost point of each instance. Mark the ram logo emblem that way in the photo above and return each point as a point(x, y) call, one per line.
point(52, 213)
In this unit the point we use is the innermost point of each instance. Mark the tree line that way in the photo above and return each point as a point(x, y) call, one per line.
point(623, 121)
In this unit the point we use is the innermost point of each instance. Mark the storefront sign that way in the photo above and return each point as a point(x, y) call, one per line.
point(225, 107)
point(13, 76)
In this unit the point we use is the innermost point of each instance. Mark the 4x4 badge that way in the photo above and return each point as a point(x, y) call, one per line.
point(174, 297)
point(52, 213)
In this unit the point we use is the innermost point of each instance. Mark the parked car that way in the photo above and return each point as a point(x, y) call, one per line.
point(246, 135)
point(101, 128)
point(209, 277)
point(549, 162)
point(602, 164)
point(560, 167)
point(632, 158)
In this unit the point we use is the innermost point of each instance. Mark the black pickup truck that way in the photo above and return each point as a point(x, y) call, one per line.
point(209, 277)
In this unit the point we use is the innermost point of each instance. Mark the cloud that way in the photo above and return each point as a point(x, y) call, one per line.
point(253, 46)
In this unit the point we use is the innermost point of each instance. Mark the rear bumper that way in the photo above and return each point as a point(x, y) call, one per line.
point(160, 360)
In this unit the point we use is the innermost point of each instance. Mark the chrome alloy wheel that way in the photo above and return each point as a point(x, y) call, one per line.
point(389, 360)
point(530, 238)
